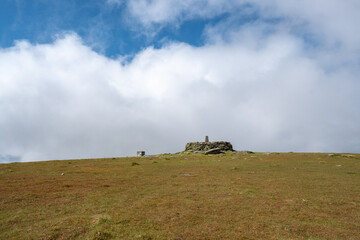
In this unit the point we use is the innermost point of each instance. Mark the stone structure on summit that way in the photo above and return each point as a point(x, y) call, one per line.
point(208, 147)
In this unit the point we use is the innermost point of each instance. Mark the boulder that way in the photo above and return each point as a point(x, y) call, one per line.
point(213, 151)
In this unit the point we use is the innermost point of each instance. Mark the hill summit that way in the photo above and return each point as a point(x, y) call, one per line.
point(208, 147)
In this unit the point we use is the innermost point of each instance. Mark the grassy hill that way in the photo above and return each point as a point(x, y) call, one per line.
point(231, 196)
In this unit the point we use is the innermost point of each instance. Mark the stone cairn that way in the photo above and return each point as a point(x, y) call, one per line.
point(208, 147)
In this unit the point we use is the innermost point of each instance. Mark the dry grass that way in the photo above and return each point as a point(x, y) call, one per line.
point(250, 196)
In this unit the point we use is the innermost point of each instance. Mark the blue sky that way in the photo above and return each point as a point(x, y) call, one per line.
point(106, 78)
point(40, 21)
point(107, 28)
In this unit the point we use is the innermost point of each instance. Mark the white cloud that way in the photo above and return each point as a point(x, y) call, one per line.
point(329, 23)
point(115, 2)
point(170, 11)
point(63, 100)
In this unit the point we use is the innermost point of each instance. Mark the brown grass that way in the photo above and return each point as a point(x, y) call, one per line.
point(250, 196)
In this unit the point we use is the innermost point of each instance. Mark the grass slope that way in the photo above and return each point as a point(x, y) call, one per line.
point(232, 196)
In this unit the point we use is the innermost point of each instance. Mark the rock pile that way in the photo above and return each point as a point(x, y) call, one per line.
point(208, 147)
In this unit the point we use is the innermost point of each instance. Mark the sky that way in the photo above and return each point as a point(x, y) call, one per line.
point(106, 78)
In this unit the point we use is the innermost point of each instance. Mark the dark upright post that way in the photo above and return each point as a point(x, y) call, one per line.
point(206, 138)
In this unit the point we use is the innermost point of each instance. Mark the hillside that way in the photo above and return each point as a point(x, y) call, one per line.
point(230, 196)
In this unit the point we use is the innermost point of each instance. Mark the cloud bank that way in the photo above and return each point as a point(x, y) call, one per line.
point(262, 86)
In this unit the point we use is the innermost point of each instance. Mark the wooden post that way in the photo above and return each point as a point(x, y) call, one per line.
point(206, 138)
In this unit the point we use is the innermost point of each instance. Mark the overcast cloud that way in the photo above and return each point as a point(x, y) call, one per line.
point(265, 85)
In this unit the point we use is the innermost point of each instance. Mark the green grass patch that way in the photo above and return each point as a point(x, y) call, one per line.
point(183, 196)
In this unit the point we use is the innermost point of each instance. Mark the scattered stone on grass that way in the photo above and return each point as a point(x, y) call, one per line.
point(244, 152)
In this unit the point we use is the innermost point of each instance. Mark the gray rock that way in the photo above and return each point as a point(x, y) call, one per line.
point(213, 151)
point(140, 153)
point(188, 174)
